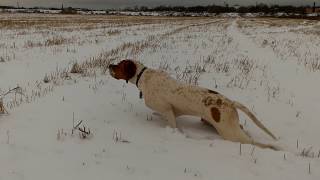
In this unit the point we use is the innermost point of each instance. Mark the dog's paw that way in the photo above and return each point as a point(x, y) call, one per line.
point(174, 130)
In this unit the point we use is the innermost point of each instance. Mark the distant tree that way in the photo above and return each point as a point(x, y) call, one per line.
point(69, 10)
point(144, 8)
point(161, 8)
point(128, 9)
point(258, 8)
point(243, 9)
point(7, 7)
point(136, 8)
point(262, 8)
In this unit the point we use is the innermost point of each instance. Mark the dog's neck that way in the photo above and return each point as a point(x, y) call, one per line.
point(134, 79)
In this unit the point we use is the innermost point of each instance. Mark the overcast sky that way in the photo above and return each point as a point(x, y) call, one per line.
point(105, 4)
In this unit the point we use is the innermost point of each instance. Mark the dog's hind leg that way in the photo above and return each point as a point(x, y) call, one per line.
point(226, 121)
point(253, 118)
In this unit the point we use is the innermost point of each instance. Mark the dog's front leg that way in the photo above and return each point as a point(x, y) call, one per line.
point(170, 117)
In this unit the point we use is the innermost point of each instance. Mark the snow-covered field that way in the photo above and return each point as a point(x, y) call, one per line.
point(270, 65)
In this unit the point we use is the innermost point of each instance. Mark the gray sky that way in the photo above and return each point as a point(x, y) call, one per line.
point(101, 4)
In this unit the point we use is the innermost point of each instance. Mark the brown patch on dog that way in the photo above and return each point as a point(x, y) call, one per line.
point(212, 92)
point(207, 101)
point(215, 113)
point(219, 102)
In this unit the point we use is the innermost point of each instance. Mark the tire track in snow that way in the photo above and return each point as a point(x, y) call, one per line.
point(262, 55)
point(293, 82)
point(286, 74)
point(279, 73)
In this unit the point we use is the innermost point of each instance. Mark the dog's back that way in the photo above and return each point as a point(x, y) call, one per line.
point(185, 99)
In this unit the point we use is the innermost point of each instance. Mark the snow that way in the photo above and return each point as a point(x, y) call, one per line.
point(255, 61)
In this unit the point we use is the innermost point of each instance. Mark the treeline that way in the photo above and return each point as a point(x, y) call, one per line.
point(6, 7)
point(14, 7)
point(264, 8)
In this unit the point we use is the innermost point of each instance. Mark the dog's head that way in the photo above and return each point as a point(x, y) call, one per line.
point(125, 70)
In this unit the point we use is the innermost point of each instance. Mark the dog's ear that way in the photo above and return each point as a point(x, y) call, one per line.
point(129, 69)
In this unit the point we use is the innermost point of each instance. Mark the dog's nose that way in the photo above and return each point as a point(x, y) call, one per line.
point(111, 66)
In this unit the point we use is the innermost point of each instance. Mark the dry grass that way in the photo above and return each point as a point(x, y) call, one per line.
point(57, 40)
point(274, 22)
point(68, 22)
point(113, 32)
point(2, 108)
point(31, 44)
point(76, 68)
point(301, 45)
point(90, 66)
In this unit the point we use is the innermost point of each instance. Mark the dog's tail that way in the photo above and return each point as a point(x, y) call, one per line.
point(253, 118)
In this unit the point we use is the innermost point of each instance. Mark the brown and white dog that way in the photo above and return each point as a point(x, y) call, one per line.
point(172, 99)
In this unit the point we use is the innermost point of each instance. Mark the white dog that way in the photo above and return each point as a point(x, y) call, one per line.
point(172, 99)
